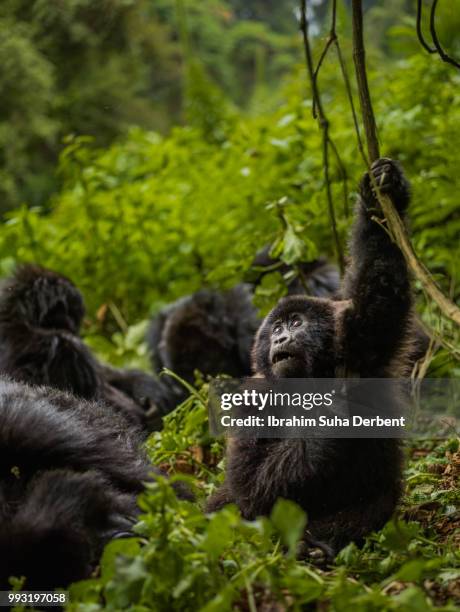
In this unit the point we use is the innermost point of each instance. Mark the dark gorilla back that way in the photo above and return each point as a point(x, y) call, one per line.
point(41, 312)
point(208, 331)
point(213, 331)
point(70, 473)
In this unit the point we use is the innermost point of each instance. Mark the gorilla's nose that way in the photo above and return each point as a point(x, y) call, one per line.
point(282, 339)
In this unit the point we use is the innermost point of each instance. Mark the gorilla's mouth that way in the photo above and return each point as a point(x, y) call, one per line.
point(280, 356)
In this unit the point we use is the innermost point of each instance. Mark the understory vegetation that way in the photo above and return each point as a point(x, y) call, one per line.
point(153, 218)
point(185, 560)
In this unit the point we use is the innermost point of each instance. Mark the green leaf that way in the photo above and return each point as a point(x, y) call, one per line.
point(290, 521)
point(412, 599)
point(293, 246)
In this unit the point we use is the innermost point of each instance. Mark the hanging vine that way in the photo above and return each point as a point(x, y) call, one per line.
point(393, 222)
point(438, 48)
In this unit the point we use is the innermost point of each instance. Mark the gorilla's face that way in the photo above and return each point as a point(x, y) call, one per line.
point(296, 340)
point(288, 341)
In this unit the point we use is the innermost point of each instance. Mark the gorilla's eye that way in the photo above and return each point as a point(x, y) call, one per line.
point(296, 322)
point(277, 329)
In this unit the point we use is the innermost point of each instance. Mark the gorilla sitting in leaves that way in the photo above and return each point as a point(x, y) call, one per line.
point(348, 487)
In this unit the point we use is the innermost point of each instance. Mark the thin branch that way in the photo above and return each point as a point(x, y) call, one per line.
point(334, 16)
point(333, 40)
point(438, 48)
point(344, 175)
point(420, 36)
point(359, 58)
point(346, 80)
point(330, 39)
point(324, 125)
point(395, 224)
point(327, 46)
point(434, 35)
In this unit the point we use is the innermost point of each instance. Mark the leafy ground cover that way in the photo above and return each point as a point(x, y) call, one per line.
point(185, 560)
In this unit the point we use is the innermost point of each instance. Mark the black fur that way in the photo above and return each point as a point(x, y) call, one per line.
point(213, 332)
point(40, 318)
point(347, 487)
point(208, 331)
point(69, 475)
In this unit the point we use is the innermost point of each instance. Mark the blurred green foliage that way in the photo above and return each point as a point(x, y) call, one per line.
point(154, 217)
point(82, 67)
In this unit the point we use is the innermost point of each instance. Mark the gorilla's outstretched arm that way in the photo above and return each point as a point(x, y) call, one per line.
point(377, 281)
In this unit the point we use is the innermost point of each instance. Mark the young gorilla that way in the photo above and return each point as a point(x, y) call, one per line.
point(40, 317)
point(347, 487)
point(70, 472)
point(213, 331)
